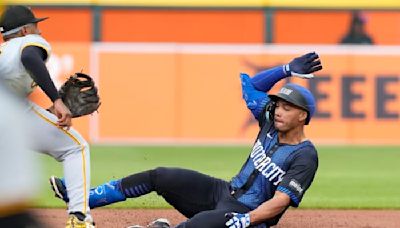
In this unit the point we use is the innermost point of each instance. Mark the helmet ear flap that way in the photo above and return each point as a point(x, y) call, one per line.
point(270, 111)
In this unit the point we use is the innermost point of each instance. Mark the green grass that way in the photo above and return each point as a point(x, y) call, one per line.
point(348, 177)
point(356, 177)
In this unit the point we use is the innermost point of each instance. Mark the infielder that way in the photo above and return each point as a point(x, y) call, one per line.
point(280, 168)
point(17, 192)
point(22, 67)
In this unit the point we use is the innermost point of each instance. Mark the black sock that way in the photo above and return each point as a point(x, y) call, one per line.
point(79, 215)
point(137, 184)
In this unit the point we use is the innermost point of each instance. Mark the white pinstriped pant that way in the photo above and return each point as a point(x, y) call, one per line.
point(68, 147)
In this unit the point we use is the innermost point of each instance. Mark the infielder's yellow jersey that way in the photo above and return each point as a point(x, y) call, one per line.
point(12, 71)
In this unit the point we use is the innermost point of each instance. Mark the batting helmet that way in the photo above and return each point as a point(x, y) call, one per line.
point(299, 96)
point(14, 17)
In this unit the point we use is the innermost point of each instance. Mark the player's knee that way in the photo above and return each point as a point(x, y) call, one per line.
point(160, 177)
point(85, 147)
point(78, 149)
point(82, 149)
point(156, 174)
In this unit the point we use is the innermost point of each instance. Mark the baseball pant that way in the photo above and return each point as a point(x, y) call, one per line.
point(68, 147)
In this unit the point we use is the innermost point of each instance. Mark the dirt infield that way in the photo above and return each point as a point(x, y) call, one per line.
point(117, 218)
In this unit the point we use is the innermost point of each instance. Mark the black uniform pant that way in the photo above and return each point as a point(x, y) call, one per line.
point(203, 199)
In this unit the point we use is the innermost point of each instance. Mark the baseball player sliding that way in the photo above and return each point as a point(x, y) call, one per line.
point(22, 67)
point(280, 168)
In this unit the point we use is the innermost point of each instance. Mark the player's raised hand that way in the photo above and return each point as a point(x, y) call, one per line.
point(304, 66)
point(237, 220)
point(63, 114)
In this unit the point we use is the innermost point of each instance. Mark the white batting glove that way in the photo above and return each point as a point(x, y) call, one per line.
point(238, 220)
point(292, 73)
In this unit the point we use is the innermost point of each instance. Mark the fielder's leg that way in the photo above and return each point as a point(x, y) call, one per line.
point(68, 147)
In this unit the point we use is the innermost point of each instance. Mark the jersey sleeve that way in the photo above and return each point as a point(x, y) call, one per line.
point(265, 80)
point(256, 101)
point(38, 41)
point(32, 57)
point(300, 175)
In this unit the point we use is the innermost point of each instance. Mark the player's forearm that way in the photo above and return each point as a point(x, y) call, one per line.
point(32, 60)
point(255, 100)
point(265, 80)
point(269, 209)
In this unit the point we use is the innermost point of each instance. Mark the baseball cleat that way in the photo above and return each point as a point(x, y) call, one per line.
point(59, 188)
point(159, 223)
point(78, 220)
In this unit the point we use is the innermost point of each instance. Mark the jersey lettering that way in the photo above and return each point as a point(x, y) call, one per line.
point(264, 164)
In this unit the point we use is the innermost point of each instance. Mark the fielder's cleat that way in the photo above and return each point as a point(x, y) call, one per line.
point(78, 220)
point(59, 188)
point(159, 223)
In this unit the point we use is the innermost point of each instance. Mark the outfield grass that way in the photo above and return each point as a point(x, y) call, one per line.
point(348, 177)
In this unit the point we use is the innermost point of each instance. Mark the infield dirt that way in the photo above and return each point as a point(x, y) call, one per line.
point(293, 218)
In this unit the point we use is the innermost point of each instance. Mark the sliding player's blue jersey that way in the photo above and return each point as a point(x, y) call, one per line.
point(275, 166)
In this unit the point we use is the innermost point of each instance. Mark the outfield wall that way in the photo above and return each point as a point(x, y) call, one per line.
point(338, 4)
point(211, 25)
point(177, 93)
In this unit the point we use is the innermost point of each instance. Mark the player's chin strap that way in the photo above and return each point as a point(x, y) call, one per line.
point(270, 112)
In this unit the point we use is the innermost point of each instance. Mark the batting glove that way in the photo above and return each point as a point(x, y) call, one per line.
point(304, 66)
point(237, 220)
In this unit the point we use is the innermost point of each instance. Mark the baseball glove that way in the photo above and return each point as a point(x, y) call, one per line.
point(80, 95)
